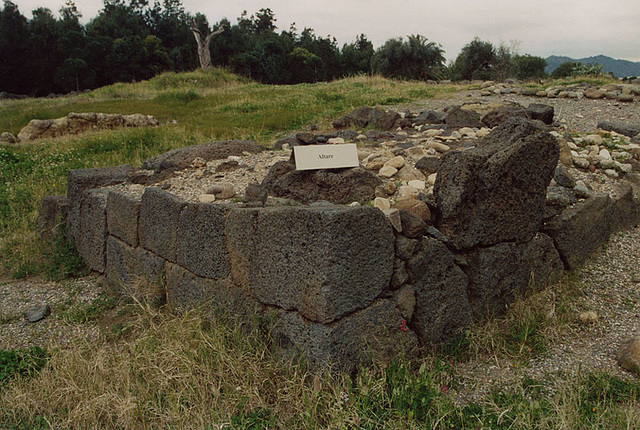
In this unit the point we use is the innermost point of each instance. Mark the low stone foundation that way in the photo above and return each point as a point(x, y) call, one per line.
point(346, 283)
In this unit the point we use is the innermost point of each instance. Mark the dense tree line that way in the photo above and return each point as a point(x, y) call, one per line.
point(132, 40)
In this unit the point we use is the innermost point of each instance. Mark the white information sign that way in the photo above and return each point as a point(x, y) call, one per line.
point(310, 157)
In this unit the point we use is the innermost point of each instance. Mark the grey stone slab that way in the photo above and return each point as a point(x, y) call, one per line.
point(91, 238)
point(122, 217)
point(201, 242)
point(442, 307)
point(80, 180)
point(375, 332)
point(121, 265)
point(150, 267)
point(158, 222)
point(496, 192)
point(581, 229)
point(325, 262)
point(185, 290)
point(499, 274)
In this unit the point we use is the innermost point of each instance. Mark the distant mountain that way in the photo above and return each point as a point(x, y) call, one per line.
point(619, 68)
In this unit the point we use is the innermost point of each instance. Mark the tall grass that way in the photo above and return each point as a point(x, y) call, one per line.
point(194, 372)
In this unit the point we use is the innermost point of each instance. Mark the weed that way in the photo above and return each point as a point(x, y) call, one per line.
point(21, 363)
point(63, 261)
point(81, 314)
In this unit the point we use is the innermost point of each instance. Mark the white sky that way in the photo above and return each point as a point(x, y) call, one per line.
point(542, 27)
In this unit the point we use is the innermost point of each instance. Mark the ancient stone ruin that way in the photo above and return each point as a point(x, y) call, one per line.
point(77, 123)
point(345, 281)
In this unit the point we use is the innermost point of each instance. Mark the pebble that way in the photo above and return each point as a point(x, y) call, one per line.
point(407, 191)
point(396, 162)
point(222, 191)
point(37, 313)
point(611, 173)
point(387, 171)
point(604, 154)
point(629, 355)
point(440, 147)
point(381, 203)
point(207, 198)
point(417, 184)
point(335, 141)
point(588, 317)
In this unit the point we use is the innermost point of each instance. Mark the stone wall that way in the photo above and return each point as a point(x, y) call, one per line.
point(345, 283)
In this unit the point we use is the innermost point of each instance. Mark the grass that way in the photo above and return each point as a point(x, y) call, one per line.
point(192, 371)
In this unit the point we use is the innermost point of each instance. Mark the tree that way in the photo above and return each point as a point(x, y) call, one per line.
point(14, 33)
point(530, 67)
point(413, 59)
point(475, 61)
point(203, 36)
point(356, 57)
point(565, 69)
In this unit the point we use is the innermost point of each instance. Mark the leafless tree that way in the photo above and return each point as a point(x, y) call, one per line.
point(203, 38)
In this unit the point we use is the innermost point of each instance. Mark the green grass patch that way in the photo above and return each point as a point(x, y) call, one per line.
point(84, 313)
point(22, 363)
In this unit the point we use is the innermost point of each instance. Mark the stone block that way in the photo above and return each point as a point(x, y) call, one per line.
point(442, 307)
point(81, 122)
point(499, 274)
point(581, 229)
point(201, 241)
point(80, 180)
point(158, 222)
point(91, 237)
point(182, 157)
point(150, 267)
point(324, 262)
point(185, 290)
point(372, 333)
point(121, 265)
point(496, 192)
point(52, 214)
point(109, 121)
point(122, 217)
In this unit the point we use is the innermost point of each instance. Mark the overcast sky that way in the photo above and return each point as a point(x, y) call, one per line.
point(541, 27)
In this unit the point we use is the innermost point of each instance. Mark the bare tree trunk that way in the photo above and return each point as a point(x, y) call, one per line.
point(204, 55)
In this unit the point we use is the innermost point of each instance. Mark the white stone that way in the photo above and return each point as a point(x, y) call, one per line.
point(605, 154)
point(581, 162)
point(555, 134)
point(624, 168)
point(417, 184)
point(361, 137)
point(440, 147)
point(431, 180)
point(409, 173)
point(393, 215)
point(387, 171)
point(335, 141)
point(206, 198)
point(396, 162)
point(234, 158)
point(407, 191)
point(416, 152)
point(381, 203)
point(484, 131)
point(456, 135)
point(593, 139)
point(611, 173)
point(606, 164)
point(572, 145)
